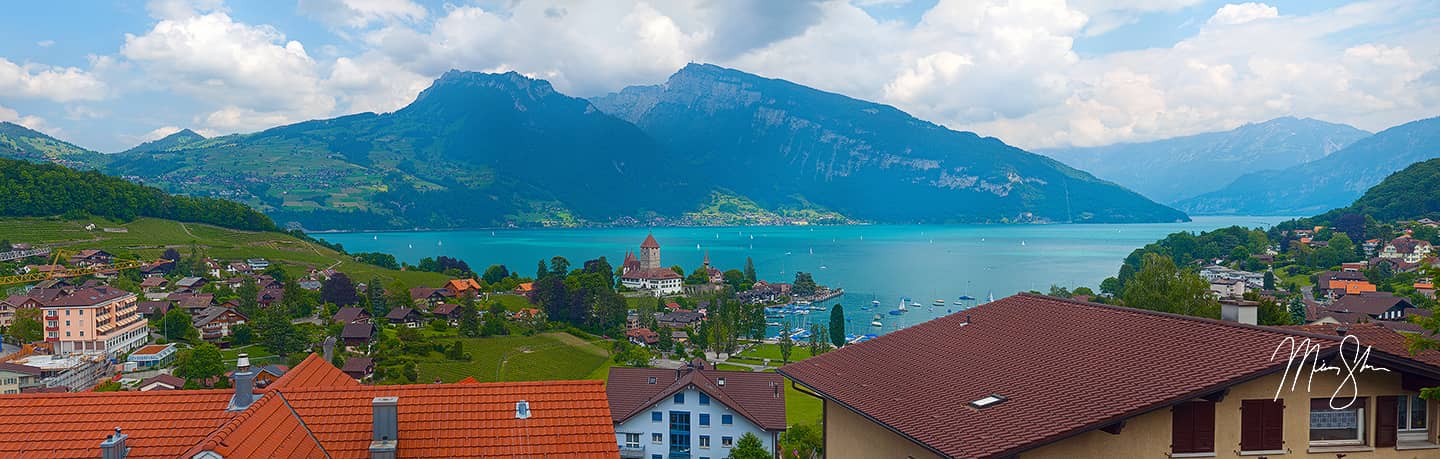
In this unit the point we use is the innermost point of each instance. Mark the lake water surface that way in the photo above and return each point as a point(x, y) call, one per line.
point(873, 263)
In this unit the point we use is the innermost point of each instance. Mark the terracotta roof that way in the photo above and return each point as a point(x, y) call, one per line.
point(314, 371)
point(939, 367)
point(567, 418)
point(759, 397)
point(650, 242)
point(73, 424)
point(269, 428)
point(173, 381)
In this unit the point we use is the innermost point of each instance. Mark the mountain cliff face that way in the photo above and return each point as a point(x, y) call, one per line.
point(1330, 182)
point(1173, 169)
point(777, 142)
point(20, 142)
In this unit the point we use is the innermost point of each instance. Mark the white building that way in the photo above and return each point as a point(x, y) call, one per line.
point(693, 412)
point(646, 272)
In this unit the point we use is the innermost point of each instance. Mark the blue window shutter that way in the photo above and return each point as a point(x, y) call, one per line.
point(704, 419)
point(704, 399)
point(655, 416)
point(679, 398)
point(727, 419)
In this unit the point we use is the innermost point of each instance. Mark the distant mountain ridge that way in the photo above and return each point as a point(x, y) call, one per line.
point(1173, 169)
point(1330, 182)
point(777, 142)
point(181, 138)
point(20, 142)
point(712, 146)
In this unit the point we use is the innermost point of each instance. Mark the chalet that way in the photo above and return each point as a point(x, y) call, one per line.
point(1356, 266)
point(161, 382)
point(154, 284)
point(359, 367)
point(403, 315)
point(159, 268)
point(9, 306)
point(357, 334)
point(715, 407)
point(459, 287)
point(1406, 248)
point(264, 376)
point(1341, 283)
point(525, 289)
point(217, 322)
point(270, 296)
point(679, 336)
point(679, 319)
point(192, 303)
point(1377, 305)
point(152, 309)
point(192, 284)
point(1211, 388)
point(642, 336)
point(238, 268)
point(349, 315)
point(446, 311)
point(212, 267)
point(89, 257)
point(526, 314)
point(1426, 288)
point(430, 296)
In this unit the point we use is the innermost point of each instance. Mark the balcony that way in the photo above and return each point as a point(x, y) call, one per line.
point(632, 452)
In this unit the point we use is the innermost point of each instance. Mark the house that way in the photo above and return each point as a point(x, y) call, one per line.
point(357, 334)
point(525, 289)
point(158, 268)
point(679, 336)
point(154, 284)
point(1377, 305)
point(646, 273)
point(679, 319)
point(1225, 288)
point(238, 268)
point(100, 319)
point(16, 377)
point(430, 296)
point(359, 367)
point(995, 383)
point(447, 311)
point(526, 313)
point(1406, 248)
point(763, 293)
point(695, 409)
point(269, 296)
point(41, 269)
point(403, 316)
point(316, 410)
point(1339, 283)
point(217, 322)
point(264, 376)
point(161, 382)
point(257, 264)
point(1355, 266)
point(212, 267)
point(459, 287)
point(74, 370)
point(192, 303)
point(1426, 288)
point(8, 306)
point(351, 315)
point(642, 336)
point(191, 283)
point(309, 284)
point(90, 257)
point(153, 355)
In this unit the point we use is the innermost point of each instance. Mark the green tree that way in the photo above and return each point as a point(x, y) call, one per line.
point(735, 279)
point(804, 284)
point(277, 333)
point(26, 326)
point(837, 325)
point(495, 273)
point(249, 302)
point(697, 277)
point(1269, 280)
point(749, 270)
point(1271, 313)
point(202, 362)
point(818, 337)
point(1296, 310)
point(802, 441)
point(1160, 286)
point(749, 447)
point(177, 325)
point(107, 386)
point(1110, 286)
point(469, 318)
point(786, 345)
point(242, 334)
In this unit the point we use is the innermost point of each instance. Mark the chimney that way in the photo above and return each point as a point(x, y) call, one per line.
point(386, 427)
point(1238, 310)
point(329, 347)
point(114, 446)
point(244, 385)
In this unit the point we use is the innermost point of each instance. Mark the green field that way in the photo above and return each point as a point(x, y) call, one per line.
point(148, 238)
point(772, 352)
point(801, 408)
point(546, 356)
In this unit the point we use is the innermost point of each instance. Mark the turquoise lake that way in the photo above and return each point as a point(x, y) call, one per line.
point(872, 263)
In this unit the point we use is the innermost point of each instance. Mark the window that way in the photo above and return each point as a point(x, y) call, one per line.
point(704, 419)
point(680, 398)
point(704, 399)
point(657, 438)
point(1413, 412)
point(727, 419)
point(1336, 427)
point(655, 416)
point(1192, 427)
point(727, 441)
point(656, 456)
point(632, 440)
point(704, 441)
point(1262, 425)
point(1401, 417)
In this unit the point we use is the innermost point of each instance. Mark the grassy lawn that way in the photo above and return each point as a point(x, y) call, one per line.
point(772, 352)
point(544, 356)
point(801, 408)
point(512, 302)
point(148, 238)
point(729, 367)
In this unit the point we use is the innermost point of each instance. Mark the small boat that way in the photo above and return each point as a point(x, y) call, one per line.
point(802, 303)
point(874, 302)
point(374, 238)
point(803, 312)
point(896, 312)
point(958, 303)
point(914, 304)
point(939, 302)
point(773, 324)
point(697, 246)
point(411, 246)
point(824, 267)
point(876, 324)
point(967, 298)
point(774, 316)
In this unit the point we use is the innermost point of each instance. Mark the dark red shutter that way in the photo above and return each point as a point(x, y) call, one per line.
point(1251, 415)
point(1386, 420)
point(1204, 426)
point(1272, 436)
point(1182, 429)
point(1262, 425)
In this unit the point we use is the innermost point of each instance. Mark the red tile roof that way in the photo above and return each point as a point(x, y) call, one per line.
point(160, 423)
point(1056, 361)
point(269, 428)
point(314, 371)
point(759, 397)
point(649, 242)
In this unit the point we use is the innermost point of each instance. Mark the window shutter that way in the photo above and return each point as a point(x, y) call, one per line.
point(1386, 420)
point(1273, 429)
point(1182, 428)
point(1251, 413)
point(1204, 426)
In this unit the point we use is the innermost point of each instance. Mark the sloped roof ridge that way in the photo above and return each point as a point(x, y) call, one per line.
point(303, 425)
point(1171, 315)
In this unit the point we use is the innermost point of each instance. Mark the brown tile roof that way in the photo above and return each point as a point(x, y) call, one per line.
point(656, 273)
point(18, 368)
point(358, 364)
point(649, 242)
point(400, 313)
point(1369, 303)
point(151, 307)
point(1056, 361)
point(362, 330)
point(446, 309)
point(1378, 336)
point(350, 314)
point(169, 380)
point(759, 397)
point(88, 297)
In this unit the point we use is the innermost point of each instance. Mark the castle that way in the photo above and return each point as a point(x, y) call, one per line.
point(646, 272)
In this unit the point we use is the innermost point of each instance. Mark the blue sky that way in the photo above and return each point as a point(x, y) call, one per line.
point(1036, 73)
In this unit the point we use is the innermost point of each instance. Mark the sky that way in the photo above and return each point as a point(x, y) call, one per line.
point(109, 74)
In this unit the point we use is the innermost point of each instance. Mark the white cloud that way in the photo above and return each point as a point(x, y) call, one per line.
point(59, 84)
point(1240, 13)
point(158, 133)
point(29, 121)
point(45, 43)
point(1108, 15)
point(362, 13)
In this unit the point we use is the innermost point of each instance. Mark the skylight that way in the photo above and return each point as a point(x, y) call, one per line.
point(988, 401)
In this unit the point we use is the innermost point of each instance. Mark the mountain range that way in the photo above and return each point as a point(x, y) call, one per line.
point(477, 149)
point(1174, 169)
point(1326, 183)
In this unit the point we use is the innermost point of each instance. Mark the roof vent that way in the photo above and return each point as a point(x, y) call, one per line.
point(720, 382)
point(522, 410)
point(988, 401)
point(651, 380)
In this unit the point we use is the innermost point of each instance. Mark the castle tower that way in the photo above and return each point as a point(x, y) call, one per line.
point(650, 253)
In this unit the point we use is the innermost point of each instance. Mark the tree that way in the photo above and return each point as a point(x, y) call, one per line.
point(698, 276)
point(541, 271)
point(735, 279)
point(786, 345)
point(804, 284)
point(1160, 286)
point(1296, 310)
point(277, 333)
point(175, 261)
point(629, 354)
point(375, 296)
point(469, 318)
point(26, 326)
point(1352, 224)
point(837, 325)
point(802, 441)
point(177, 325)
point(818, 335)
point(559, 266)
point(495, 273)
point(1082, 291)
point(202, 362)
point(1110, 286)
point(241, 334)
point(249, 294)
point(749, 447)
point(456, 351)
point(749, 270)
point(1271, 313)
point(338, 289)
point(1269, 280)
